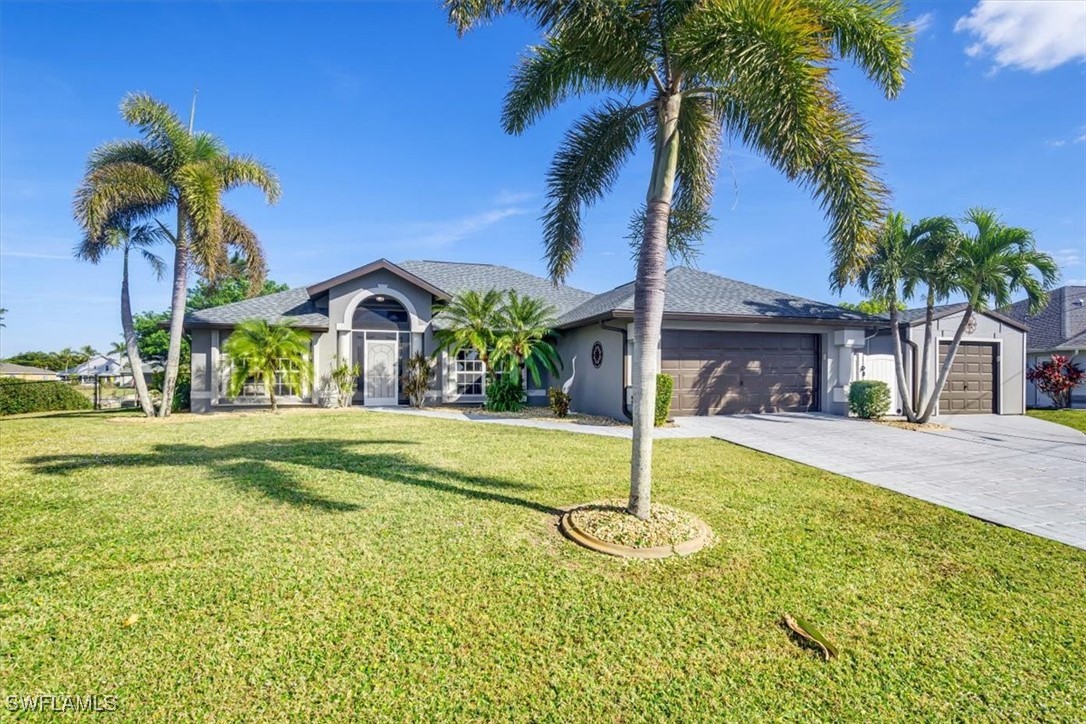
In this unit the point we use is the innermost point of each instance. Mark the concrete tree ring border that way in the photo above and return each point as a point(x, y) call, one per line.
point(587, 540)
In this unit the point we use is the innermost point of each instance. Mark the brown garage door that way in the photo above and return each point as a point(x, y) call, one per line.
point(724, 373)
point(971, 385)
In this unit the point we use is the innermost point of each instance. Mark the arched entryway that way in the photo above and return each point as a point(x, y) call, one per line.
point(380, 345)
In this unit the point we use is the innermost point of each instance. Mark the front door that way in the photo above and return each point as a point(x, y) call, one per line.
point(381, 372)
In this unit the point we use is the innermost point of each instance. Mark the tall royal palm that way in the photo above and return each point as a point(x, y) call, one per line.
point(174, 169)
point(684, 74)
point(992, 263)
point(127, 238)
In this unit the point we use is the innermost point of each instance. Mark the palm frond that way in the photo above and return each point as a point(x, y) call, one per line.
point(158, 266)
point(123, 188)
point(200, 190)
point(238, 236)
point(126, 151)
point(238, 171)
point(871, 34)
point(158, 124)
point(584, 169)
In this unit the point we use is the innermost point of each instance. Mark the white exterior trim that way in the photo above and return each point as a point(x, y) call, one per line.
point(417, 325)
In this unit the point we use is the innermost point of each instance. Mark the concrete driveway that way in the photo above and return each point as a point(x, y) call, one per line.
point(1012, 470)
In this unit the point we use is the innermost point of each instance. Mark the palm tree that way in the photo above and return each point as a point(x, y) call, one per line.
point(991, 265)
point(683, 74)
point(3, 313)
point(67, 358)
point(524, 323)
point(128, 237)
point(118, 348)
point(174, 168)
point(904, 254)
point(469, 322)
point(261, 350)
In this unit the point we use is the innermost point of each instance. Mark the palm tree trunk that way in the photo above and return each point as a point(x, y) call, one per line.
point(925, 371)
point(649, 303)
point(899, 364)
point(130, 344)
point(944, 371)
point(177, 315)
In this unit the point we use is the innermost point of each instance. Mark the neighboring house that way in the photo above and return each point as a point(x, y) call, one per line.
point(1059, 328)
point(23, 372)
point(988, 372)
point(732, 347)
point(98, 366)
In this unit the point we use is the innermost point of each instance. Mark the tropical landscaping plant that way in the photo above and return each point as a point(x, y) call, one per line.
point(173, 168)
point(125, 236)
point(869, 399)
point(416, 379)
point(665, 385)
point(1057, 378)
point(559, 401)
point(524, 324)
point(469, 322)
point(267, 352)
point(685, 75)
point(505, 393)
point(341, 383)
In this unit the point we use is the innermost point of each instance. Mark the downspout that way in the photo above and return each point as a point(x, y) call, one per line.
point(625, 348)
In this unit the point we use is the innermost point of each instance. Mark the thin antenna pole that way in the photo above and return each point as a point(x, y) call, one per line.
point(192, 113)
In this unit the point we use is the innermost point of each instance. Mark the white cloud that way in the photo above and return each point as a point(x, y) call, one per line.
point(923, 23)
point(1060, 142)
point(35, 255)
point(443, 233)
point(1033, 35)
point(506, 197)
point(1067, 257)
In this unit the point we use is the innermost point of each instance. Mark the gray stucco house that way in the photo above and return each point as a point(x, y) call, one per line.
point(988, 373)
point(732, 347)
point(1059, 328)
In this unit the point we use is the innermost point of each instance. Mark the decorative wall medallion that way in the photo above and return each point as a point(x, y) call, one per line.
point(971, 325)
point(597, 354)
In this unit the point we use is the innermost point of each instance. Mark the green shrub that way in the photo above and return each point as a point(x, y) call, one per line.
point(665, 384)
point(416, 379)
point(20, 396)
point(559, 401)
point(869, 399)
point(505, 394)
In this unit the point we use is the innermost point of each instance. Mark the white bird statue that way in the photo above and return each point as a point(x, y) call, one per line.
point(569, 383)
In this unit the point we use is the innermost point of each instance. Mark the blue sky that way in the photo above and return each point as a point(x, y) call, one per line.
point(384, 129)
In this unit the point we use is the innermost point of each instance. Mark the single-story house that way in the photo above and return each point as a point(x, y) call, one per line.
point(988, 372)
point(24, 372)
point(97, 366)
point(732, 347)
point(1059, 328)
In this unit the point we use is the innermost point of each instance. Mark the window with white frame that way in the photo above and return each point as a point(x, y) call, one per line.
point(470, 373)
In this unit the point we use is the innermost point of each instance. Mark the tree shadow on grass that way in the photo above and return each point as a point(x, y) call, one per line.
point(247, 466)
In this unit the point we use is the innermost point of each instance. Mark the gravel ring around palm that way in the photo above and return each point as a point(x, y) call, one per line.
point(606, 527)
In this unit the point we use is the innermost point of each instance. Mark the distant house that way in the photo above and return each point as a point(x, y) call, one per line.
point(99, 366)
point(23, 372)
point(1059, 328)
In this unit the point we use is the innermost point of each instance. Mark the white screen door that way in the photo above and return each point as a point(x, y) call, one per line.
point(382, 371)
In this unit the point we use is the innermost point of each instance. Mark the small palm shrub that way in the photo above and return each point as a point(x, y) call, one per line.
point(21, 396)
point(505, 394)
point(263, 351)
point(559, 401)
point(341, 383)
point(869, 399)
point(416, 379)
point(665, 385)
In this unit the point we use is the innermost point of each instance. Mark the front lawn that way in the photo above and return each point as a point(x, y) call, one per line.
point(356, 565)
point(1075, 419)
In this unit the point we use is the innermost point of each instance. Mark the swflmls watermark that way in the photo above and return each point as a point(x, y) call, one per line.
point(60, 702)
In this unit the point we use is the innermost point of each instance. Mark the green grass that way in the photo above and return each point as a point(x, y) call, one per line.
point(1075, 419)
point(353, 565)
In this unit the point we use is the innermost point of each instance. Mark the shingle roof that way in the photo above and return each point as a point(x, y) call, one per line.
point(7, 368)
point(293, 305)
point(457, 277)
point(1059, 325)
point(690, 291)
point(918, 314)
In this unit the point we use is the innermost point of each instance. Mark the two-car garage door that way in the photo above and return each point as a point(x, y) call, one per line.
point(723, 373)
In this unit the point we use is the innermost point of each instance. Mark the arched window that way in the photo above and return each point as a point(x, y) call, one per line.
point(380, 313)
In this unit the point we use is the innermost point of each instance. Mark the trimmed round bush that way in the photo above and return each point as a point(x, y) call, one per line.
point(22, 396)
point(665, 384)
point(869, 399)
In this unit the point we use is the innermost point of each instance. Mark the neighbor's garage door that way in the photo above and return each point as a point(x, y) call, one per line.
point(971, 385)
point(723, 373)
